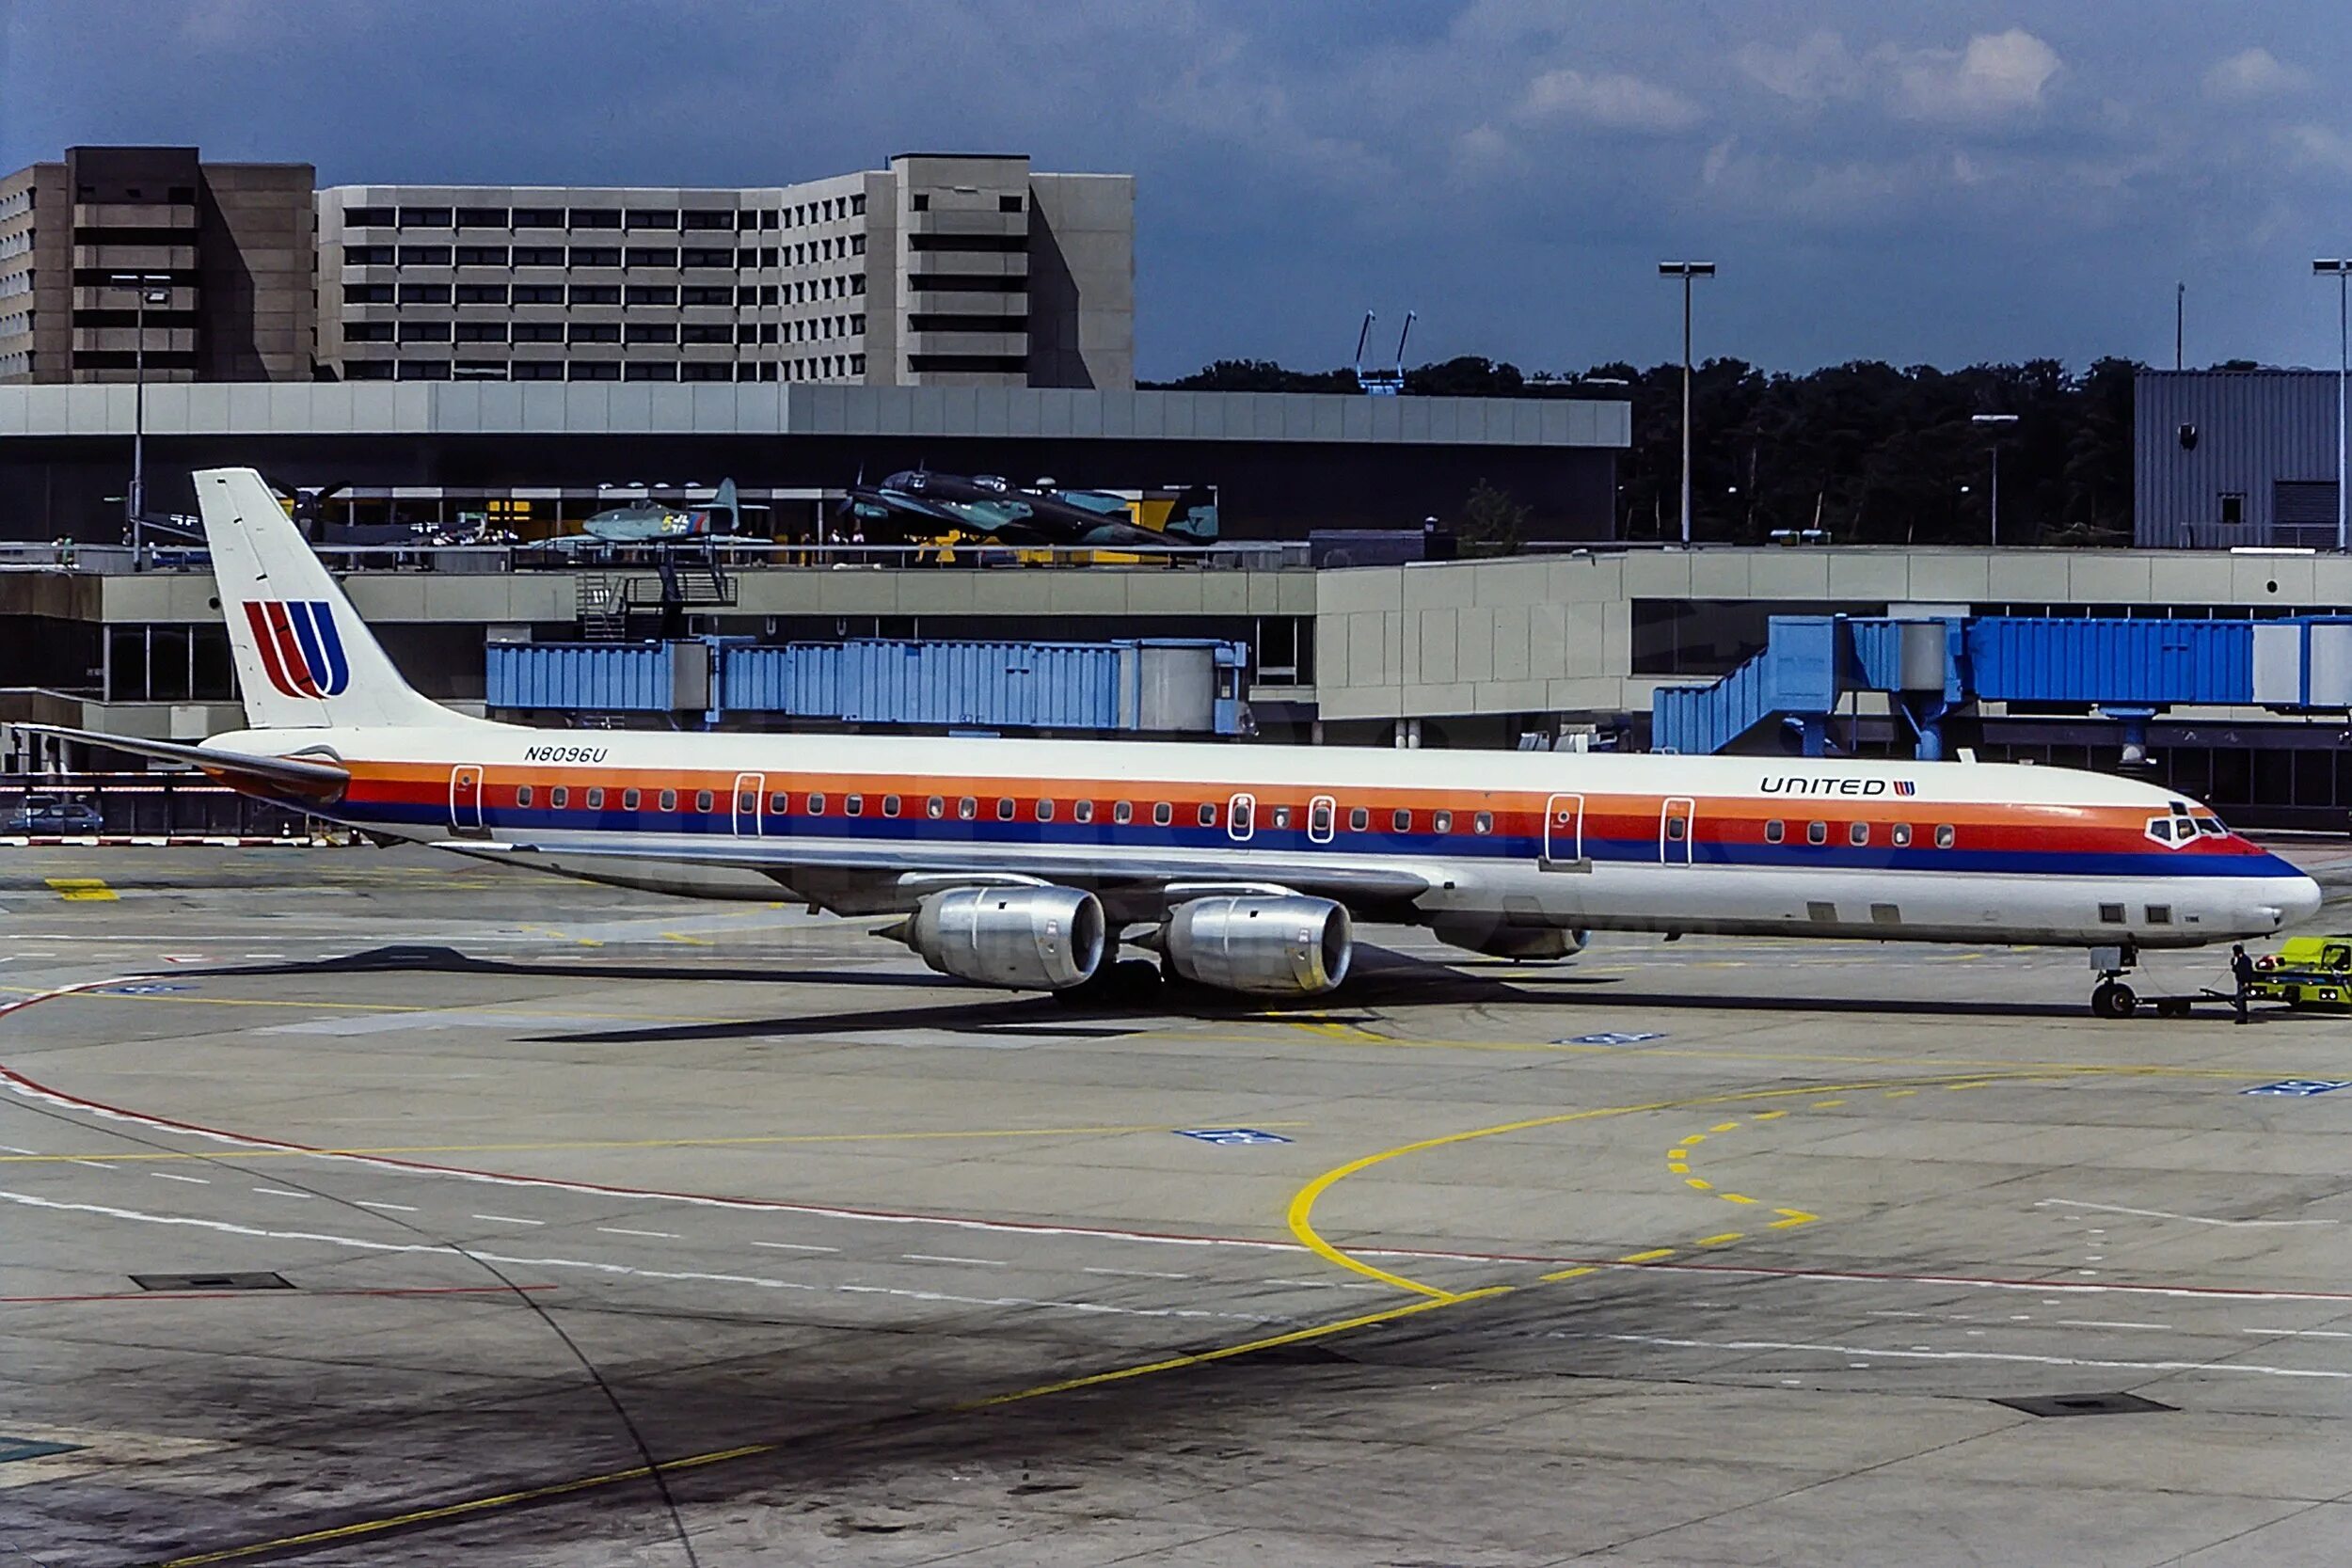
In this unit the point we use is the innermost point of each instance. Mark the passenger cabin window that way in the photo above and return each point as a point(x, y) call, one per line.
point(1358, 818)
point(2159, 914)
point(1319, 819)
point(1163, 813)
point(1083, 811)
point(596, 799)
point(1857, 833)
point(1441, 822)
point(1901, 834)
point(1205, 814)
point(1775, 831)
point(522, 794)
point(1677, 828)
point(1004, 808)
point(1045, 811)
point(559, 796)
point(890, 805)
point(1122, 812)
point(630, 798)
point(1945, 836)
point(1816, 832)
point(1242, 815)
point(853, 805)
point(780, 803)
point(1482, 823)
point(669, 800)
point(2110, 914)
point(703, 800)
point(815, 803)
point(1281, 817)
point(747, 803)
point(967, 808)
point(1401, 821)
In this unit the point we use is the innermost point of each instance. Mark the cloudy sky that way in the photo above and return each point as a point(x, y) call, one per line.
point(1945, 183)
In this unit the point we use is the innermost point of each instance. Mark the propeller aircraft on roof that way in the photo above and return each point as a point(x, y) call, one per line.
point(916, 502)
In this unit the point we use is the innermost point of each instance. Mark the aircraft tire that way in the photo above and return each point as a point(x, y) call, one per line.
point(2113, 999)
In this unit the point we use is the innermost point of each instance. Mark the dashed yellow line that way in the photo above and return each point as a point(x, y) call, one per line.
point(1735, 1198)
point(1652, 1255)
point(1724, 1127)
point(1699, 1182)
point(1568, 1274)
point(1792, 1217)
point(81, 889)
point(1723, 1240)
point(1827, 1105)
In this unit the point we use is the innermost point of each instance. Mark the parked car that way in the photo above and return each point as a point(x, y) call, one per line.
point(52, 814)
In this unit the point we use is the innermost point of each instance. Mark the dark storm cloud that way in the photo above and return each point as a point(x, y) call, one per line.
point(1943, 184)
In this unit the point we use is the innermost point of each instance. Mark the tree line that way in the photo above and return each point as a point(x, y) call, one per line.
point(1868, 452)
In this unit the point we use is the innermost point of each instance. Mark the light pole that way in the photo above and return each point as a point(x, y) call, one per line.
point(2340, 267)
point(1687, 270)
point(1997, 423)
point(153, 287)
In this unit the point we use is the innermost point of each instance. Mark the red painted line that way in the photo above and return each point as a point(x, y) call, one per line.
point(210, 1296)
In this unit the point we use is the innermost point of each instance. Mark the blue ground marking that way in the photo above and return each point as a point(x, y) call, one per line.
point(25, 1447)
point(1609, 1037)
point(1224, 1136)
point(2301, 1088)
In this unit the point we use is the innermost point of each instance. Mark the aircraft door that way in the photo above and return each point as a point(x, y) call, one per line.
point(1241, 817)
point(465, 801)
point(1675, 826)
point(750, 791)
point(1564, 832)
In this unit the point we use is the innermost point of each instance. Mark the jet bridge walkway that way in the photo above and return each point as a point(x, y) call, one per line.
point(1931, 667)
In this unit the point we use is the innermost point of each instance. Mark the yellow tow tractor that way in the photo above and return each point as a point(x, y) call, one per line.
point(2305, 972)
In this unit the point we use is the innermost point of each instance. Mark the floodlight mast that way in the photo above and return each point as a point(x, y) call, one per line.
point(1687, 270)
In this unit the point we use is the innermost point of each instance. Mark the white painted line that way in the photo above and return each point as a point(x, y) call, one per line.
point(2302, 1333)
point(1307, 1284)
point(1138, 1274)
point(795, 1246)
point(403, 1207)
point(941, 1257)
point(508, 1219)
point(280, 1191)
point(94, 1165)
point(624, 1230)
point(2104, 1322)
point(170, 1176)
point(2166, 1214)
point(1748, 1345)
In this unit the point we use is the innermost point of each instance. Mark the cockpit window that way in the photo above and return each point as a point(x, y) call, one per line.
point(2212, 826)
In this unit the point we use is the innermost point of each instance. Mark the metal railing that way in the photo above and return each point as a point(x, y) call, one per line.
point(115, 560)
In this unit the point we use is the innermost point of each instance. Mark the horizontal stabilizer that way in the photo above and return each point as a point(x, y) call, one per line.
point(322, 782)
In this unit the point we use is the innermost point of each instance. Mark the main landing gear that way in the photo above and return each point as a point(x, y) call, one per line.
point(2111, 997)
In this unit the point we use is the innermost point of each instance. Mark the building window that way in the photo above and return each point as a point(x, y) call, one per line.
point(706, 332)
point(368, 370)
point(704, 294)
point(538, 255)
point(651, 332)
point(424, 255)
point(595, 217)
point(482, 332)
point(595, 293)
point(595, 332)
point(639, 371)
point(651, 294)
point(536, 369)
point(425, 293)
point(538, 218)
point(538, 332)
point(481, 293)
point(1008, 204)
point(646, 256)
point(423, 332)
point(920, 202)
point(2232, 508)
point(367, 332)
point(482, 256)
point(367, 217)
point(424, 217)
point(701, 258)
point(424, 370)
point(367, 294)
point(596, 256)
point(538, 294)
point(709, 219)
point(640, 217)
point(721, 371)
point(595, 370)
point(481, 217)
point(367, 256)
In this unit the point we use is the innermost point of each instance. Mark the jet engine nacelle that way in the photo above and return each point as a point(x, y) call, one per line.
point(1020, 938)
point(1497, 937)
point(1265, 944)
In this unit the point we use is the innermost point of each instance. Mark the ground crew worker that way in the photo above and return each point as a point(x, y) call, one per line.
point(2242, 970)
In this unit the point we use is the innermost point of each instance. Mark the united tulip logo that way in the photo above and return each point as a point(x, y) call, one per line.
point(301, 652)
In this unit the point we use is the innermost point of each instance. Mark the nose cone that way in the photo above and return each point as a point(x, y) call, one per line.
point(2300, 900)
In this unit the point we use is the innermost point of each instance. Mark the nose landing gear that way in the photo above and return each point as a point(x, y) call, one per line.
point(2111, 997)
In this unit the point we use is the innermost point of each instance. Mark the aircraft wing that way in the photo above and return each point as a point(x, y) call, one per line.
point(929, 869)
point(304, 778)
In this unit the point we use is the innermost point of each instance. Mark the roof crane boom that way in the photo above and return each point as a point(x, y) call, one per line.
point(1400, 341)
point(1364, 336)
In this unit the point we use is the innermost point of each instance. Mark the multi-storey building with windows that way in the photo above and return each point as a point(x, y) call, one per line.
point(940, 269)
point(207, 267)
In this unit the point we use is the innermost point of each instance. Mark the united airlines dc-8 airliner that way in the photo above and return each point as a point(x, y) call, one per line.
point(1026, 864)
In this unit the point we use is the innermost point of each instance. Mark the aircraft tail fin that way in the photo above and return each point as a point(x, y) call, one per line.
point(1193, 516)
point(305, 659)
point(723, 502)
